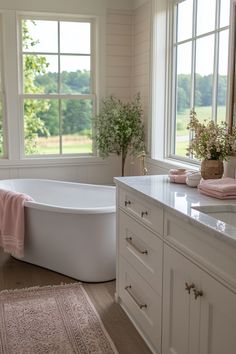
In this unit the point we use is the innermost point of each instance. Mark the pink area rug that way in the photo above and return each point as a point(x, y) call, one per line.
point(53, 319)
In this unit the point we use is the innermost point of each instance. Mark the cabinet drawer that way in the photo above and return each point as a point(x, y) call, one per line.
point(141, 302)
point(142, 249)
point(202, 247)
point(147, 212)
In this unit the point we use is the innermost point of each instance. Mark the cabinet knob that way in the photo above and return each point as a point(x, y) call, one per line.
point(197, 293)
point(144, 213)
point(188, 287)
point(127, 202)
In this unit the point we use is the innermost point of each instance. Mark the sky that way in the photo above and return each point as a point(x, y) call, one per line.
point(204, 46)
point(73, 39)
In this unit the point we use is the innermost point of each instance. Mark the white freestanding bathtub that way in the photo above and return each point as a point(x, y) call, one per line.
point(69, 227)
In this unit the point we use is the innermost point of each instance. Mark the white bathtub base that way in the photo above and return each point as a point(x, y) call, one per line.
point(69, 228)
point(87, 255)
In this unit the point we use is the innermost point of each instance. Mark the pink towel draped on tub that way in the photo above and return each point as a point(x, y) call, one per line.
point(224, 188)
point(12, 221)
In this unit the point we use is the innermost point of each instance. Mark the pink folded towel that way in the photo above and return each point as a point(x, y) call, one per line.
point(224, 188)
point(12, 221)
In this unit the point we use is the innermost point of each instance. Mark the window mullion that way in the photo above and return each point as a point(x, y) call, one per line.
point(59, 86)
point(194, 44)
point(56, 96)
point(216, 64)
point(171, 135)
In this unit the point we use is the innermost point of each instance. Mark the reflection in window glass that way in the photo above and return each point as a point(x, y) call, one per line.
point(76, 127)
point(222, 76)
point(184, 52)
point(205, 16)
point(204, 77)
point(185, 20)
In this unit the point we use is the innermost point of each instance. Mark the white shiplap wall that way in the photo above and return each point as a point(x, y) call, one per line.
point(141, 55)
point(125, 68)
point(119, 54)
point(91, 170)
point(141, 67)
point(128, 57)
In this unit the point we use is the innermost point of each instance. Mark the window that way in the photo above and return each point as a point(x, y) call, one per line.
point(200, 41)
point(57, 86)
point(2, 120)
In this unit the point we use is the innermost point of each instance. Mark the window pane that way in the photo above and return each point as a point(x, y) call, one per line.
point(184, 53)
point(222, 76)
point(205, 16)
point(41, 125)
point(185, 20)
point(204, 76)
point(40, 74)
point(76, 126)
point(224, 13)
point(40, 36)
point(75, 37)
point(75, 74)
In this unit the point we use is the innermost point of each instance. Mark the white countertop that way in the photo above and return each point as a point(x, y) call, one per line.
point(181, 199)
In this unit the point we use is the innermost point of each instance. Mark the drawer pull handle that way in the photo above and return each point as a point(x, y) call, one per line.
point(144, 213)
point(197, 293)
point(188, 287)
point(130, 241)
point(127, 202)
point(141, 306)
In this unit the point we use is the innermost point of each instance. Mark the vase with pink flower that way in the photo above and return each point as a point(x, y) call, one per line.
point(212, 143)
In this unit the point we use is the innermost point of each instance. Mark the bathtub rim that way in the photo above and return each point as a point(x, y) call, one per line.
point(51, 207)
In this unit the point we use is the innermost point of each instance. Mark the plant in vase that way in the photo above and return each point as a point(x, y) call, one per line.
point(212, 143)
point(119, 128)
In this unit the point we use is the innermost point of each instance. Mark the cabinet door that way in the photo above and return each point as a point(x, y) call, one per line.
point(180, 312)
point(218, 318)
point(202, 324)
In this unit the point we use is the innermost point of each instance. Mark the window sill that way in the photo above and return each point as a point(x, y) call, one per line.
point(52, 161)
point(167, 164)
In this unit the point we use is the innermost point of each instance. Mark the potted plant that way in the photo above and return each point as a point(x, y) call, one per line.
point(119, 128)
point(212, 143)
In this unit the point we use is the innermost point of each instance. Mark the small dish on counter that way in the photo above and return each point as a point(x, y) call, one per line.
point(193, 179)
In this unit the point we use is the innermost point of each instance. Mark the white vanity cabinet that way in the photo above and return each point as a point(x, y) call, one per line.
point(139, 263)
point(176, 277)
point(199, 313)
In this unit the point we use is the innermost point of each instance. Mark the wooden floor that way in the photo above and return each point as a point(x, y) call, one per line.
point(17, 274)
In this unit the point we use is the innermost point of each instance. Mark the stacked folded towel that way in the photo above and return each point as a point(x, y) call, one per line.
point(224, 188)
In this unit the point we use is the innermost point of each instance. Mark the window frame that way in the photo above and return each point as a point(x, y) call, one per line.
point(57, 96)
point(172, 68)
point(3, 95)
